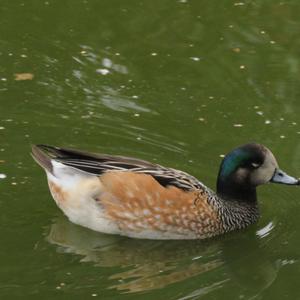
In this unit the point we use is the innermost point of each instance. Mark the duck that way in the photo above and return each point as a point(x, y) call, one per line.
point(139, 199)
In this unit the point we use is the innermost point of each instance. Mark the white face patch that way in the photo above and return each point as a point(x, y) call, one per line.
point(258, 173)
point(265, 172)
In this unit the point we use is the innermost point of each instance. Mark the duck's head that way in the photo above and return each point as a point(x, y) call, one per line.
point(246, 167)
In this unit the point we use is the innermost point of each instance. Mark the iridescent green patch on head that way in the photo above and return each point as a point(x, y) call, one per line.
point(233, 160)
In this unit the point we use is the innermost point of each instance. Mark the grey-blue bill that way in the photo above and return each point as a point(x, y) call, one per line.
point(283, 178)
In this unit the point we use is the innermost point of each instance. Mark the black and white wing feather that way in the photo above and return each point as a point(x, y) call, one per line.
point(98, 164)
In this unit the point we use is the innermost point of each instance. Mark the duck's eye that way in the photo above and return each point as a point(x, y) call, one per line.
point(255, 165)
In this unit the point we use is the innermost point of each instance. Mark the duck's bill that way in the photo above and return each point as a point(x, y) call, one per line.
point(283, 178)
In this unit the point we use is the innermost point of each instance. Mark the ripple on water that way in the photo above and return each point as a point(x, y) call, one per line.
point(266, 230)
point(134, 133)
point(121, 103)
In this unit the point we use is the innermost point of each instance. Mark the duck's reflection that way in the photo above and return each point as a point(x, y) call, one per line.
point(145, 265)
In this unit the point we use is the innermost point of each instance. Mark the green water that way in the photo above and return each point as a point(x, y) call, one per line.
point(173, 82)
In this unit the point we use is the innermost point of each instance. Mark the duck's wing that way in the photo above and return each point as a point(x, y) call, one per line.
point(98, 164)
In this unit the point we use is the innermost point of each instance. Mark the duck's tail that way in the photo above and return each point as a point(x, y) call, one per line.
point(43, 155)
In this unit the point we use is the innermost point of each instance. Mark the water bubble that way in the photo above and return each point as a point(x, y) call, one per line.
point(107, 63)
point(102, 71)
point(236, 50)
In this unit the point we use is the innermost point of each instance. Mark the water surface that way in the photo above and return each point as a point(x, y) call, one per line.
point(179, 83)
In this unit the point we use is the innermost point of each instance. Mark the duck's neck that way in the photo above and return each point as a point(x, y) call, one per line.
point(237, 205)
point(229, 190)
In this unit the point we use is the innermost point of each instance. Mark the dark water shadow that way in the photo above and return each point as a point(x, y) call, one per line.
point(242, 263)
